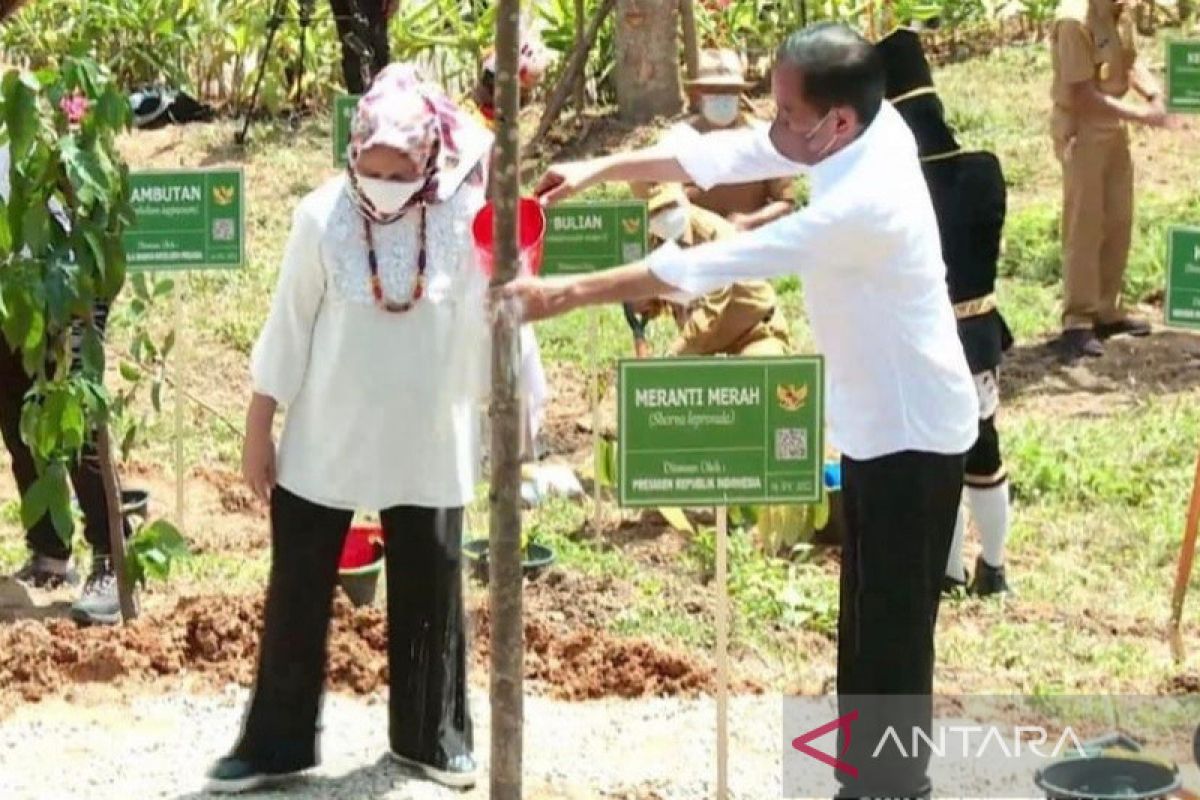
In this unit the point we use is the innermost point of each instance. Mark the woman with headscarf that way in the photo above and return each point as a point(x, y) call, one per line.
point(375, 343)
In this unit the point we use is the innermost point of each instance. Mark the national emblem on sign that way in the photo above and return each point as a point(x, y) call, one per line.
point(223, 195)
point(791, 396)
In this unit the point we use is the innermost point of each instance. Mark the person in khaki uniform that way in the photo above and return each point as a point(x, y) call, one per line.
point(741, 319)
point(1096, 63)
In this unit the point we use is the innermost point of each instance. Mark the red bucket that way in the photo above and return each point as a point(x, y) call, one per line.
point(531, 233)
point(363, 547)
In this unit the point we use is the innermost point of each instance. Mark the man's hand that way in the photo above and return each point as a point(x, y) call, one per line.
point(1157, 116)
point(533, 299)
point(563, 180)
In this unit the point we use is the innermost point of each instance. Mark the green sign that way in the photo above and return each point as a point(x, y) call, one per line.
point(1183, 76)
point(1182, 306)
point(720, 431)
point(343, 114)
point(187, 219)
point(586, 237)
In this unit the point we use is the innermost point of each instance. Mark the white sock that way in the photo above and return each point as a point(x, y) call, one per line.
point(954, 566)
point(989, 507)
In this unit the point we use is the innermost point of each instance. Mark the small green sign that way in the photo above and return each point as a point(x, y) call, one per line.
point(187, 219)
point(343, 114)
point(1182, 306)
point(1183, 76)
point(586, 237)
point(720, 431)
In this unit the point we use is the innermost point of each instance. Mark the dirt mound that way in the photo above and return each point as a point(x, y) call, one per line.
point(586, 663)
point(216, 637)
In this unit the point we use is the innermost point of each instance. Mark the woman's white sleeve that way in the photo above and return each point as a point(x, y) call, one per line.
point(280, 357)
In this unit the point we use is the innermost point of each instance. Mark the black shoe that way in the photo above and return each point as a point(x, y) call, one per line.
point(1079, 343)
point(233, 775)
point(1127, 326)
point(43, 572)
point(457, 773)
point(989, 580)
point(952, 587)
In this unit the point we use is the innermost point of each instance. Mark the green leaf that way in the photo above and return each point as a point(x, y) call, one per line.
point(140, 289)
point(167, 538)
point(92, 352)
point(36, 502)
point(60, 503)
point(72, 424)
point(130, 372)
point(127, 441)
point(21, 117)
point(163, 287)
point(820, 512)
point(36, 229)
point(134, 571)
point(156, 397)
point(168, 345)
point(6, 242)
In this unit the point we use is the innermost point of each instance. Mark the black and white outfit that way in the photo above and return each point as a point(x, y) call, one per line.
point(969, 197)
point(902, 406)
point(382, 414)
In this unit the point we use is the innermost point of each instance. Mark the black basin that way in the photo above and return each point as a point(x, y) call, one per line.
point(1107, 778)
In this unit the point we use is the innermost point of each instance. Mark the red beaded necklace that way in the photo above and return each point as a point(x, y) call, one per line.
point(373, 262)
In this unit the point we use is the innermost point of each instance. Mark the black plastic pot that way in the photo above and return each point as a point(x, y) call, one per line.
point(361, 583)
point(1107, 777)
point(135, 503)
point(537, 559)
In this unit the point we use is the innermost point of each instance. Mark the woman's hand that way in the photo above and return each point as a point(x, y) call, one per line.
point(258, 451)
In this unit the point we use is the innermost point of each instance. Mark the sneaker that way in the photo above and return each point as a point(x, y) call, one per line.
point(989, 580)
point(1127, 326)
point(99, 603)
point(43, 572)
point(233, 775)
point(457, 773)
point(1079, 343)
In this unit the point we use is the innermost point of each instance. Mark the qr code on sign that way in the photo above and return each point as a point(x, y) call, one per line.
point(791, 444)
point(222, 230)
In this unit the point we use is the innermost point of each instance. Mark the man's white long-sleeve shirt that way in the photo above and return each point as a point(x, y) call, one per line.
point(868, 250)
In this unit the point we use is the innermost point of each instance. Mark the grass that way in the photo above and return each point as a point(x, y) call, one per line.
point(1099, 497)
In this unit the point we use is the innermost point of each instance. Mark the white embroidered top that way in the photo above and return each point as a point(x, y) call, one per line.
point(382, 408)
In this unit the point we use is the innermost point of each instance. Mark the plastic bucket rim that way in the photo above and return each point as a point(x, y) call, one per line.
point(1053, 790)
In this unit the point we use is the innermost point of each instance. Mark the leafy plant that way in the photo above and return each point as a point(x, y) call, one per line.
point(61, 127)
point(152, 552)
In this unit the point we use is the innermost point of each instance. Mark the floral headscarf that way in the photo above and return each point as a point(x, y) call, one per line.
point(404, 111)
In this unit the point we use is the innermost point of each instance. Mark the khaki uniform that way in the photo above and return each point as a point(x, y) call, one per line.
point(743, 318)
point(1090, 43)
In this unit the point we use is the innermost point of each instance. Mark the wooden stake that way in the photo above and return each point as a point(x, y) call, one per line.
point(504, 550)
point(594, 399)
point(180, 402)
point(722, 653)
point(691, 43)
point(116, 524)
point(1183, 573)
point(580, 88)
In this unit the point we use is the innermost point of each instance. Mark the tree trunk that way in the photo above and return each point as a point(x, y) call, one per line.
point(580, 25)
point(647, 68)
point(691, 44)
point(504, 551)
point(116, 526)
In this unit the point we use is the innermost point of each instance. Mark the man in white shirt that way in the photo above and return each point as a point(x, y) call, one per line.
point(902, 405)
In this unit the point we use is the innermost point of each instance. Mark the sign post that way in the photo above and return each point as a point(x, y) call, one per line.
point(343, 114)
point(186, 220)
point(721, 431)
point(1183, 76)
point(587, 237)
point(1181, 309)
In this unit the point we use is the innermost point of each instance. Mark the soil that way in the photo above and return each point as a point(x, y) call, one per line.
point(569, 653)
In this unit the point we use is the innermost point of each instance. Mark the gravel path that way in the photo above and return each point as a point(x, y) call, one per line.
point(158, 746)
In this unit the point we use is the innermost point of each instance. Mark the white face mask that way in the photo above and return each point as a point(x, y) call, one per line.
point(388, 197)
point(670, 224)
point(719, 109)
